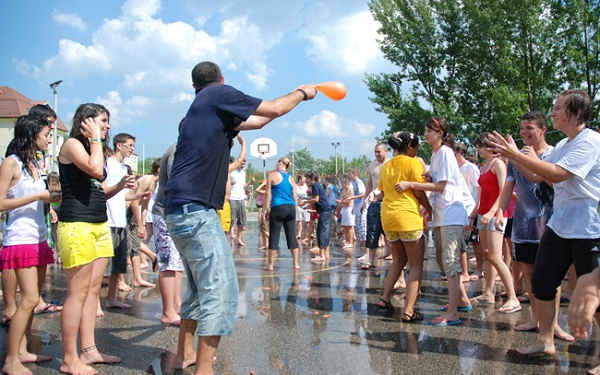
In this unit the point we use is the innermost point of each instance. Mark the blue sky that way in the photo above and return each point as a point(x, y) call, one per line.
point(135, 57)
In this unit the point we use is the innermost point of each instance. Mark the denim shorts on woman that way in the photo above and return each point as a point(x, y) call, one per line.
point(211, 296)
point(491, 225)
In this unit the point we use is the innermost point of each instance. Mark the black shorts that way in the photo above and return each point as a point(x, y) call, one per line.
point(508, 228)
point(525, 252)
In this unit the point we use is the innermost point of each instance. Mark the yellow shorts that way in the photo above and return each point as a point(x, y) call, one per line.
point(81, 243)
point(225, 216)
point(404, 236)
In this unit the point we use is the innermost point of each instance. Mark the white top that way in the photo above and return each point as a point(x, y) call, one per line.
point(25, 225)
point(151, 204)
point(470, 173)
point(359, 188)
point(331, 192)
point(237, 188)
point(576, 199)
point(302, 191)
point(116, 208)
point(451, 206)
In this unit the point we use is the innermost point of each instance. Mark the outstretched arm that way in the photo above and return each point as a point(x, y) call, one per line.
point(241, 158)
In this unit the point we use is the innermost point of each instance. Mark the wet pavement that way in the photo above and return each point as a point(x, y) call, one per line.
point(323, 319)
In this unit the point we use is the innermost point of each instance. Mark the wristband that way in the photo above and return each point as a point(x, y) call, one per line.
point(96, 140)
point(303, 93)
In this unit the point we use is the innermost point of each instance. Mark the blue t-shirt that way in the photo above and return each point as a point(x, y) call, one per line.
point(322, 205)
point(282, 192)
point(201, 162)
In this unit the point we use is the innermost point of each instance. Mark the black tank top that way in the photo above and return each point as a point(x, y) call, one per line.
point(82, 196)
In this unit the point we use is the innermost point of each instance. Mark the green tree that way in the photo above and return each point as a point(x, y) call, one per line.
point(146, 166)
point(302, 160)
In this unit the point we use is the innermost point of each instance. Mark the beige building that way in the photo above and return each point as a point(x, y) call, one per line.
point(14, 104)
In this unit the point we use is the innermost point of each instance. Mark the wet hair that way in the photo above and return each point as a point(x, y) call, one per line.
point(439, 124)
point(401, 141)
point(84, 111)
point(537, 116)
point(42, 111)
point(313, 176)
point(286, 162)
point(354, 171)
point(205, 74)
point(461, 148)
point(155, 167)
point(121, 138)
point(27, 129)
point(53, 181)
point(578, 104)
point(299, 177)
point(483, 140)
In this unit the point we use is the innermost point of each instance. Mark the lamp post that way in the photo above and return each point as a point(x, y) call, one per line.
point(53, 162)
point(335, 145)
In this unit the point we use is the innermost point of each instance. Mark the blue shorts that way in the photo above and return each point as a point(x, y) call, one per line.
point(324, 229)
point(211, 297)
point(374, 227)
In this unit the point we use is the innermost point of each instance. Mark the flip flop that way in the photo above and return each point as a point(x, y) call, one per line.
point(446, 322)
point(460, 308)
point(509, 309)
point(48, 309)
point(482, 301)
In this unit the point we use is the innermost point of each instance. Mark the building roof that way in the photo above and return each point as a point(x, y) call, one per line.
point(14, 104)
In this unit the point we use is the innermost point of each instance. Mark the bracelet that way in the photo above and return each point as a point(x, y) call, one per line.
point(95, 140)
point(303, 93)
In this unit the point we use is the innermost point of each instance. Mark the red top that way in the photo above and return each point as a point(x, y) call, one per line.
point(490, 191)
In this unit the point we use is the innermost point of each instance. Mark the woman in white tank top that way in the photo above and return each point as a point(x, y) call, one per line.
point(22, 194)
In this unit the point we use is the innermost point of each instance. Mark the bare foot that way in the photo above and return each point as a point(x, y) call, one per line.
point(116, 304)
point(318, 259)
point(183, 362)
point(94, 356)
point(362, 258)
point(172, 322)
point(594, 371)
point(99, 311)
point(538, 347)
point(33, 358)
point(240, 243)
point(560, 334)
point(483, 300)
point(143, 284)
point(296, 267)
point(77, 367)
point(465, 278)
point(531, 325)
point(400, 284)
point(267, 268)
point(15, 368)
point(124, 287)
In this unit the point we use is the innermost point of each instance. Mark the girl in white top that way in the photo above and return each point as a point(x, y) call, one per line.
point(572, 234)
point(451, 200)
point(346, 212)
point(22, 194)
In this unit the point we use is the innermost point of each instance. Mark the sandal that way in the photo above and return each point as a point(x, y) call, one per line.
point(367, 266)
point(386, 305)
point(415, 317)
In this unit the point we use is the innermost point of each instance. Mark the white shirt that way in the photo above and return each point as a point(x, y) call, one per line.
point(359, 188)
point(449, 206)
point(237, 188)
point(576, 199)
point(116, 208)
point(470, 173)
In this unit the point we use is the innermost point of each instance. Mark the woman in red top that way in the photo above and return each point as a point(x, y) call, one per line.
point(491, 182)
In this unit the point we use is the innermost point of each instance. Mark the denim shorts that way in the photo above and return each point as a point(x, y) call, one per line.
point(491, 225)
point(374, 227)
point(324, 229)
point(211, 296)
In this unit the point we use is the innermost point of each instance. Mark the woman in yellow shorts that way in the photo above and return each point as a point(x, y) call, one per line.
point(402, 220)
point(84, 239)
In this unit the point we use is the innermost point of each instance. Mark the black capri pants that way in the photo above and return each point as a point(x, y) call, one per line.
point(282, 216)
point(553, 259)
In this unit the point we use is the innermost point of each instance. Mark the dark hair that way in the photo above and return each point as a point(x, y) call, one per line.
point(205, 74)
point(313, 176)
point(155, 167)
point(53, 180)
point(42, 111)
point(483, 140)
point(121, 138)
point(400, 141)
point(460, 148)
point(27, 129)
point(84, 111)
point(578, 104)
point(537, 116)
point(299, 177)
point(440, 124)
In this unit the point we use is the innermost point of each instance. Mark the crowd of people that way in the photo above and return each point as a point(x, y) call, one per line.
point(192, 203)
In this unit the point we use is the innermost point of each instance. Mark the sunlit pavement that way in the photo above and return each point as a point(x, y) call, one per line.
point(322, 319)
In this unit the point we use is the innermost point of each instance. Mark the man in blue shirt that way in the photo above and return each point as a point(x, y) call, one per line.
point(196, 189)
point(325, 211)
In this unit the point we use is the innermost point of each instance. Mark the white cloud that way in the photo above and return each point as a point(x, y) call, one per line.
point(69, 19)
point(348, 43)
point(327, 124)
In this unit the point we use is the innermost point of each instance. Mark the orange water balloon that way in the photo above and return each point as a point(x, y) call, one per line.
point(333, 89)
